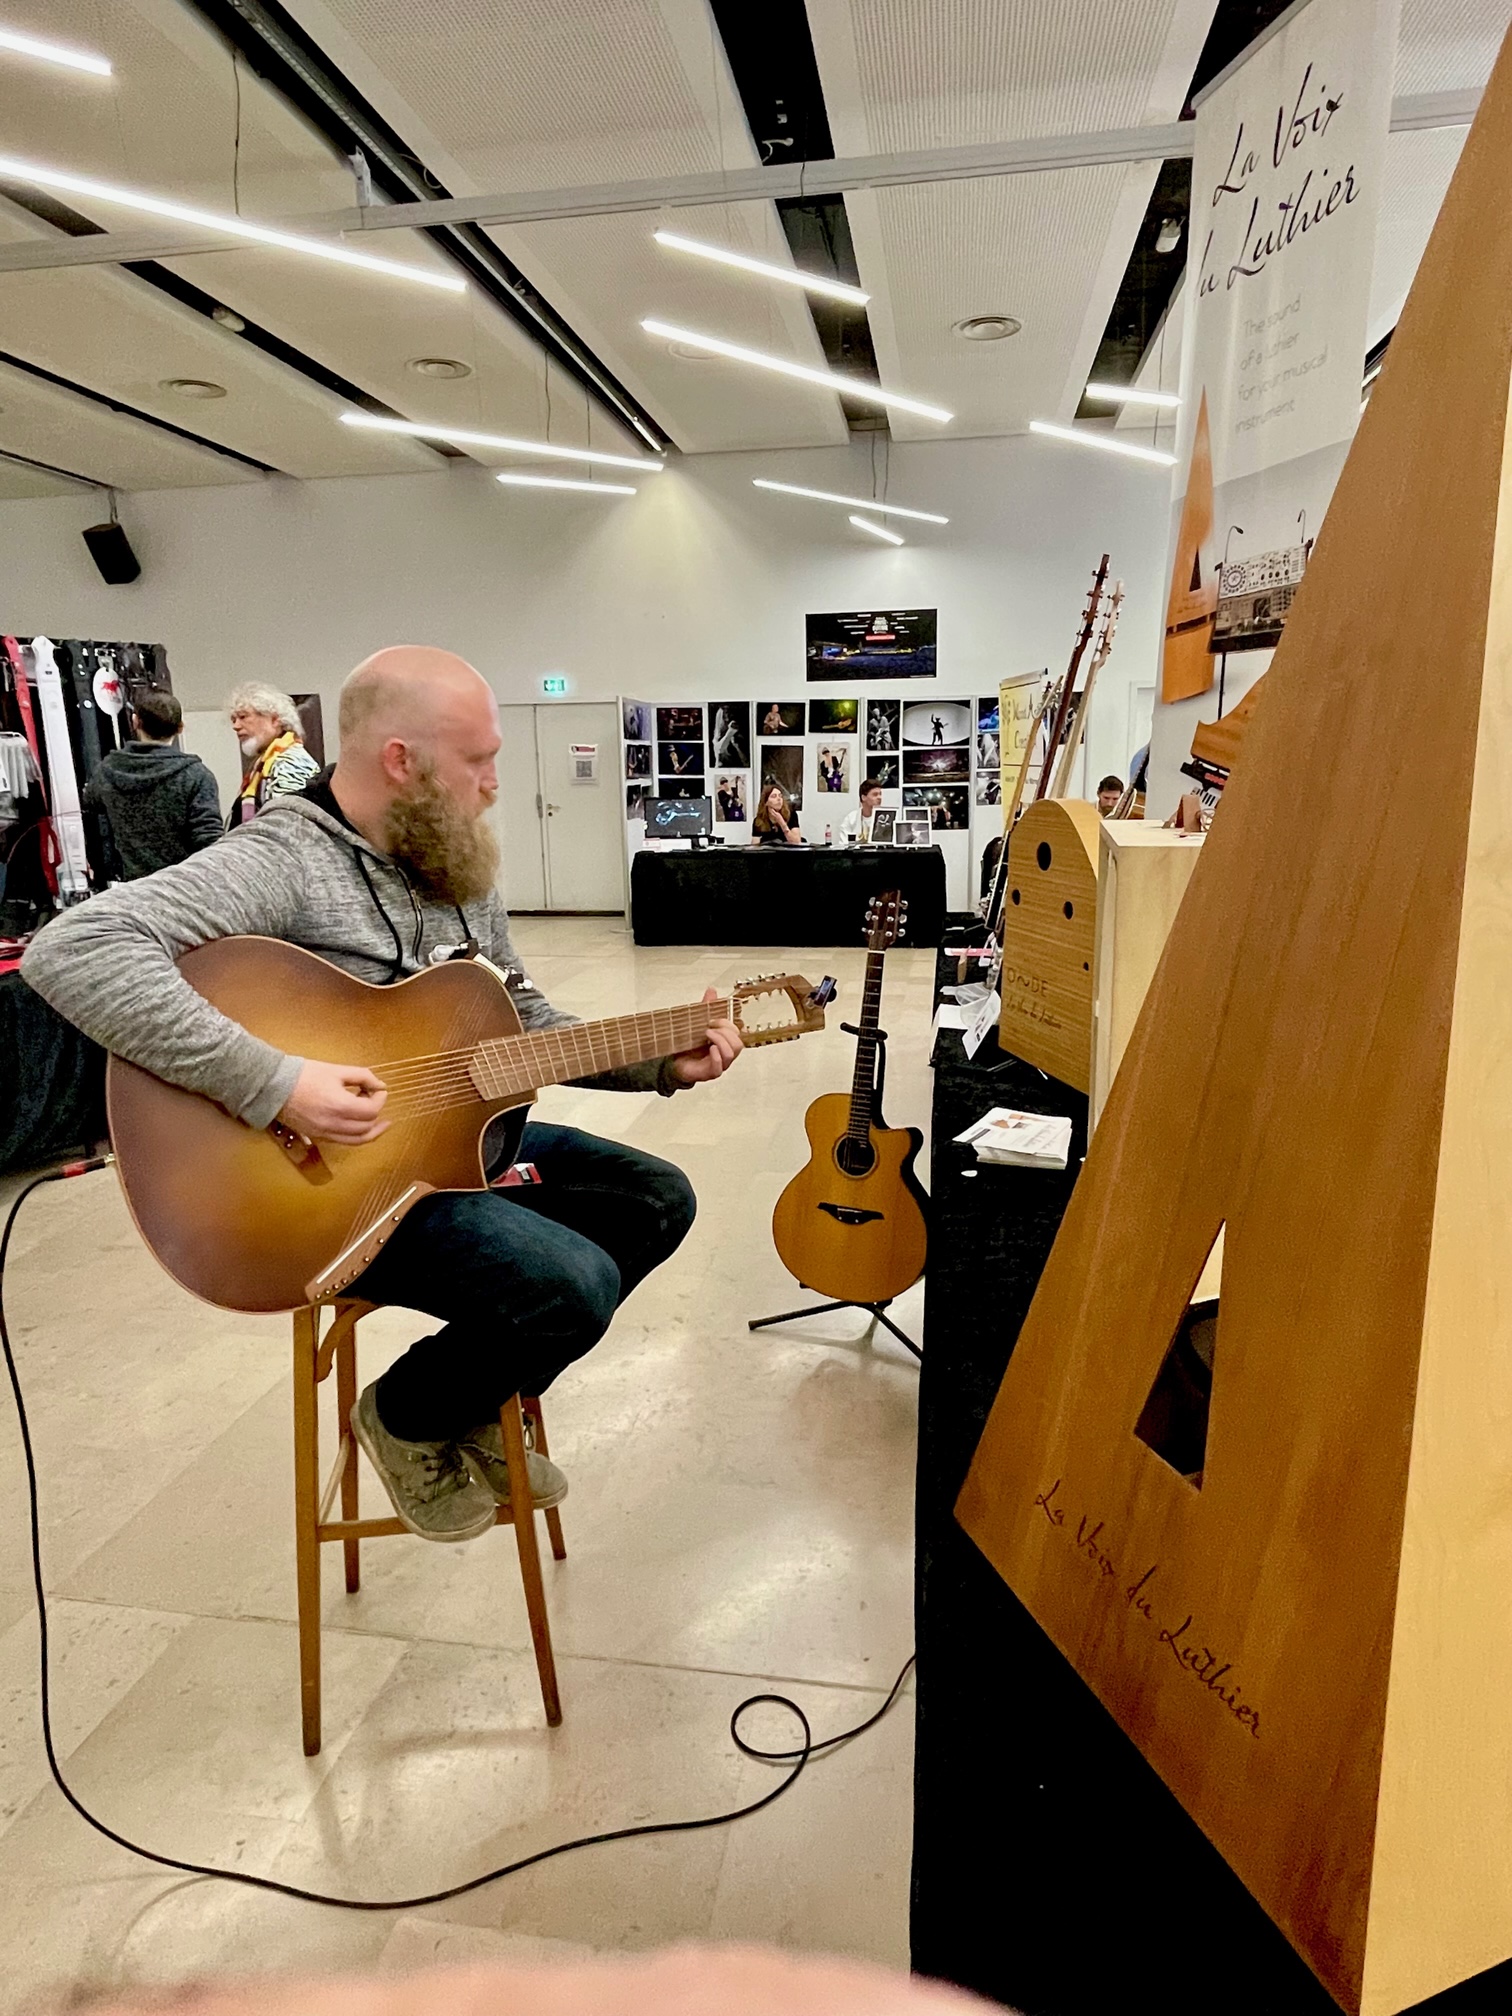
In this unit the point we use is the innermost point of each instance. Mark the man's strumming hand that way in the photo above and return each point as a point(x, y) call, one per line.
point(336, 1102)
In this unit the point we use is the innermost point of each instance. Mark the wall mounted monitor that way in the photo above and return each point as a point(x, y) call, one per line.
point(679, 818)
point(876, 644)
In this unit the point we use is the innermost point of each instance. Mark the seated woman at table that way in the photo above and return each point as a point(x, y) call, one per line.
point(776, 823)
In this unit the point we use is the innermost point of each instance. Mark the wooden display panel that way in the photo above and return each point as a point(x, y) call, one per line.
point(1143, 872)
point(1313, 1643)
point(1049, 915)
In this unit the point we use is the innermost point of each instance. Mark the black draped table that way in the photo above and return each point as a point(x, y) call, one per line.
point(780, 895)
point(52, 1081)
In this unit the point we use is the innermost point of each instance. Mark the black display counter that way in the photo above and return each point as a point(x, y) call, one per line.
point(52, 1081)
point(1052, 1870)
point(780, 895)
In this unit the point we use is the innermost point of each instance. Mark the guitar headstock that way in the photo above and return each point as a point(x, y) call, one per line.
point(886, 916)
point(1112, 603)
point(776, 1007)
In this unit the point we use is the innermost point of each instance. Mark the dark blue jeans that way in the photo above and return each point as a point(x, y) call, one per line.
point(526, 1279)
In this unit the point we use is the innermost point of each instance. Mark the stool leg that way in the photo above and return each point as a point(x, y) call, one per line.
point(346, 1400)
point(513, 1429)
point(306, 1514)
point(531, 1409)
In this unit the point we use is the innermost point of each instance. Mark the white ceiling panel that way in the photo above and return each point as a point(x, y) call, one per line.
point(529, 94)
point(1050, 248)
point(18, 483)
point(47, 424)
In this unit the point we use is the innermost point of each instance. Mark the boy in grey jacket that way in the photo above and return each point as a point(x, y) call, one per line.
point(161, 802)
point(385, 861)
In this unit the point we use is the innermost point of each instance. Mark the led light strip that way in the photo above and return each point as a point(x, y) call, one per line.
point(1085, 438)
point(834, 497)
point(790, 276)
point(877, 531)
point(467, 437)
point(832, 381)
point(1130, 395)
point(563, 483)
point(53, 52)
point(209, 220)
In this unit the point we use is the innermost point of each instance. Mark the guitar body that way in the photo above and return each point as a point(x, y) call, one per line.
point(855, 1235)
point(247, 1223)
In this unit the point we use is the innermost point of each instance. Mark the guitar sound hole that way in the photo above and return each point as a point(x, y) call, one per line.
point(856, 1158)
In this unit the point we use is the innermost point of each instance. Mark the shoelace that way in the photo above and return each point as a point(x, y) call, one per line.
point(443, 1472)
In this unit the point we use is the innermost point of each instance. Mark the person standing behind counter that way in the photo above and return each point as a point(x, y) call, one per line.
point(776, 823)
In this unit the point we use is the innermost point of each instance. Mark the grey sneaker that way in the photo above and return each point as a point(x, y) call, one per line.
point(484, 1450)
point(430, 1486)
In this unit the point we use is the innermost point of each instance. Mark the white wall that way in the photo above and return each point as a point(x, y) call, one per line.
point(695, 589)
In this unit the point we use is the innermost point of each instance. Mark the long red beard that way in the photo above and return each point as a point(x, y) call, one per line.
point(450, 857)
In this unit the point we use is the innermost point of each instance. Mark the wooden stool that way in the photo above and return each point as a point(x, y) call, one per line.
point(314, 1526)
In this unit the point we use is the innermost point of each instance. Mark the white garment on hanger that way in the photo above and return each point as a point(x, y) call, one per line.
point(68, 818)
point(18, 767)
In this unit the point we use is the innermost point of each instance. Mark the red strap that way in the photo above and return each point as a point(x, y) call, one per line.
point(23, 700)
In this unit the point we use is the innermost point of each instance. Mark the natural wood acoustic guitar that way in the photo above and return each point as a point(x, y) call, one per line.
point(851, 1223)
point(269, 1220)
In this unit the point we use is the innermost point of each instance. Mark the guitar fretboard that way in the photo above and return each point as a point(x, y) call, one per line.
point(864, 1079)
point(505, 1065)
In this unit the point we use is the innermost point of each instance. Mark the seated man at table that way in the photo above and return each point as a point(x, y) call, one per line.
point(776, 823)
point(856, 827)
point(384, 864)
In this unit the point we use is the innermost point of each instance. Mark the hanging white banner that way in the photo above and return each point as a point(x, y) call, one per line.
point(1286, 183)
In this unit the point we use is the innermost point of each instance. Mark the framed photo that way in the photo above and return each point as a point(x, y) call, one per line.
point(989, 787)
point(680, 759)
point(635, 800)
point(834, 717)
point(874, 644)
point(937, 766)
point(989, 749)
point(885, 770)
point(679, 724)
point(637, 759)
point(948, 805)
point(732, 798)
point(782, 763)
point(779, 717)
point(933, 724)
point(730, 735)
point(682, 787)
point(833, 771)
point(883, 725)
point(882, 826)
point(987, 716)
point(637, 719)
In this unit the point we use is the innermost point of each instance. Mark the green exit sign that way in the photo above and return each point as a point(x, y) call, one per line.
point(554, 685)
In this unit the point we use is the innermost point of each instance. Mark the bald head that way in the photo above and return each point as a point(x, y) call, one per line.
point(413, 692)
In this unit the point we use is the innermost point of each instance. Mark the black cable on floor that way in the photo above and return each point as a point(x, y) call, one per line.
point(799, 1758)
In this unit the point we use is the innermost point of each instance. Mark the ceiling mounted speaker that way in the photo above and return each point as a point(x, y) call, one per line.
point(110, 550)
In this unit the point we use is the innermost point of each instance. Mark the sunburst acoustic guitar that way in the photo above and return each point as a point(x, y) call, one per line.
point(851, 1223)
point(269, 1220)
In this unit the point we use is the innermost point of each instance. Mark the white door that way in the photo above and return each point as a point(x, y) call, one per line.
point(519, 814)
point(577, 747)
point(207, 734)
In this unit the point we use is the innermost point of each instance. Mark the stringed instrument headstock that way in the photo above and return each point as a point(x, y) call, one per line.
point(886, 917)
point(776, 1007)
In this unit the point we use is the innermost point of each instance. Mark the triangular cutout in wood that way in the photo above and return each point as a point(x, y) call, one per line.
point(1174, 1419)
point(1317, 1657)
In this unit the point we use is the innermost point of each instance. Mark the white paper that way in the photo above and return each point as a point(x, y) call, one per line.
point(984, 1016)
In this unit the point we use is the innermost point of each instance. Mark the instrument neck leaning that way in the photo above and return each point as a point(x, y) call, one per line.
point(505, 1065)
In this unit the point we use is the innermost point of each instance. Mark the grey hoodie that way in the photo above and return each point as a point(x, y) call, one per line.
point(161, 802)
point(294, 873)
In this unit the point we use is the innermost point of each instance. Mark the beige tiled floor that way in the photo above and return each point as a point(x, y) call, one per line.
point(740, 1514)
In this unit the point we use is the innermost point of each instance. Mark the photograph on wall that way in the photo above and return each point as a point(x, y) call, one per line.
point(987, 716)
point(834, 717)
point(879, 644)
point(937, 766)
point(780, 717)
point(637, 719)
point(885, 770)
point(933, 724)
point(883, 724)
point(679, 724)
point(682, 787)
point(989, 754)
point(731, 798)
point(730, 735)
point(782, 763)
point(833, 767)
point(635, 800)
point(948, 805)
point(989, 787)
point(680, 759)
point(637, 759)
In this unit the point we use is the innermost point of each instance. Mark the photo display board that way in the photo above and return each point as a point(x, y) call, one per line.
point(890, 644)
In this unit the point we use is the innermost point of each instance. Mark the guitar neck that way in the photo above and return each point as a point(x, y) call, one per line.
point(506, 1065)
point(864, 1079)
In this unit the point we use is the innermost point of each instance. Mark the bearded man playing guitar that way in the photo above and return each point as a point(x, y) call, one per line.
point(382, 866)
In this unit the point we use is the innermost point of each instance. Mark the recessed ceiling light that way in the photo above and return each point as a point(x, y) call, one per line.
point(467, 437)
point(834, 497)
point(563, 483)
point(1110, 444)
point(53, 52)
point(832, 381)
point(690, 353)
point(988, 328)
point(877, 531)
point(1130, 395)
point(192, 388)
point(228, 319)
point(221, 225)
point(790, 276)
point(439, 367)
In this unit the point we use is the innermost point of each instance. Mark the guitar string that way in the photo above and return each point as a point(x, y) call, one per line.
point(567, 1029)
point(570, 1039)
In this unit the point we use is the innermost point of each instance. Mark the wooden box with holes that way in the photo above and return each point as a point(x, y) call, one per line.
point(1049, 918)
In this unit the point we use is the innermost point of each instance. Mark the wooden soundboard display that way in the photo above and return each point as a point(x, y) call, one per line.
point(1049, 919)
